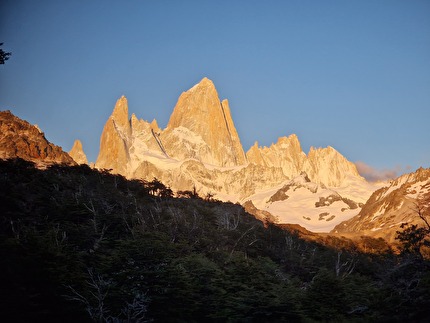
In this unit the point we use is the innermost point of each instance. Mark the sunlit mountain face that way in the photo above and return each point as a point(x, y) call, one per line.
point(200, 148)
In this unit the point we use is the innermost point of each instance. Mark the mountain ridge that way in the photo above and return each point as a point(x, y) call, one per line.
point(391, 206)
point(200, 148)
point(18, 138)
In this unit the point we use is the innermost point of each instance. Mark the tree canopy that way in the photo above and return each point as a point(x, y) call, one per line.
point(4, 56)
point(82, 245)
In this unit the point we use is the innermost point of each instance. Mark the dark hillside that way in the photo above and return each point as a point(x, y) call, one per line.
point(81, 245)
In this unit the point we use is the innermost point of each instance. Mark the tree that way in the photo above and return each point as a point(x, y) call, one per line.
point(4, 56)
point(413, 237)
point(325, 297)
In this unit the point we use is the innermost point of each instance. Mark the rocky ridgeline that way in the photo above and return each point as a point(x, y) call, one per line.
point(18, 138)
point(201, 132)
point(201, 149)
point(392, 205)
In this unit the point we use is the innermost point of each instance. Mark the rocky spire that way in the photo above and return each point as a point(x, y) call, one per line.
point(77, 153)
point(120, 115)
point(115, 138)
point(201, 127)
point(323, 165)
point(286, 153)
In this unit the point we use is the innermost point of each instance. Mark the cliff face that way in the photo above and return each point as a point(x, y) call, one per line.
point(18, 138)
point(323, 165)
point(114, 141)
point(327, 166)
point(201, 127)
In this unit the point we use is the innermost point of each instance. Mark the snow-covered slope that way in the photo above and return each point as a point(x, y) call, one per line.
point(315, 207)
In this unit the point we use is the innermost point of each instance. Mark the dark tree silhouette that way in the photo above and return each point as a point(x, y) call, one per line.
point(4, 56)
point(413, 237)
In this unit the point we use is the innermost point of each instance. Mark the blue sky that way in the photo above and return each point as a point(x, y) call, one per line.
point(354, 75)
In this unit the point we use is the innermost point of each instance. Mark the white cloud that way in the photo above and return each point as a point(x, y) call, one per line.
point(373, 175)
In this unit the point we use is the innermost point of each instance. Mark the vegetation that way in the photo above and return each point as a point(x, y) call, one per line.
point(81, 245)
point(4, 56)
point(415, 239)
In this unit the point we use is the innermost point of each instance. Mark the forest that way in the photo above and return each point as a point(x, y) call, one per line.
point(83, 245)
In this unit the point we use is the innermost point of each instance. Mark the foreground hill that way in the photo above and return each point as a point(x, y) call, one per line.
point(81, 245)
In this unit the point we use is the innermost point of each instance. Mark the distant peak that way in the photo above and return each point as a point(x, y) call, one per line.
point(120, 112)
point(205, 80)
point(289, 139)
point(77, 144)
point(77, 153)
point(204, 83)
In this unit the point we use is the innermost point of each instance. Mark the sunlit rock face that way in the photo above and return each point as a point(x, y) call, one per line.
point(18, 138)
point(327, 166)
point(124, 142)
point(201, 127)
point(77, 153)
point(323, 165)
point(387, 208)
point(200, 148)
point(286, 154)
point(114, 141)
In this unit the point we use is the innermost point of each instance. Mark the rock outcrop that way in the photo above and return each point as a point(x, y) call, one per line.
point(18, 138)
point(77, 153)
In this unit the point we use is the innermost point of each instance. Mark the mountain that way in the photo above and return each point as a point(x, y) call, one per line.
point(18, 138)
point(390, 206)
point(201, 127)
point(200, 148)
point(323, 165)
point(77, 153)
point(114, 150)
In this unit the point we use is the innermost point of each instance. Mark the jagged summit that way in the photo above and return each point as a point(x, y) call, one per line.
point(323, 165)
point(201, 127)
point(113, 153)
point(120, 114)
point(204, 83)
point(77, 153)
